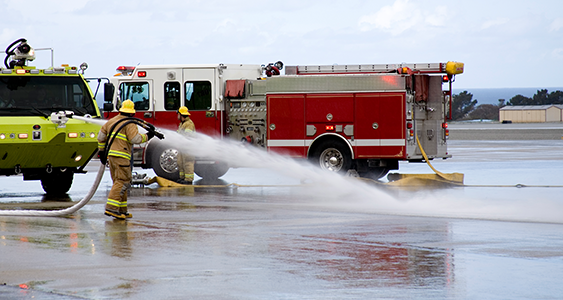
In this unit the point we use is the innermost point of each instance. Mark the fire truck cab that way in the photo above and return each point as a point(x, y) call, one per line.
point(43, 132)
point(158, 92)
point(358, 119)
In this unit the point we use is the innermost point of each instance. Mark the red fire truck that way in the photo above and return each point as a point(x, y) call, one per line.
point(358, 119)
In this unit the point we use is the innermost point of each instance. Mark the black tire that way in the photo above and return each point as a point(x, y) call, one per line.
point(58, 182)
point(332, 155)
point(374, 173)
point(164, 162)
point(211, 171)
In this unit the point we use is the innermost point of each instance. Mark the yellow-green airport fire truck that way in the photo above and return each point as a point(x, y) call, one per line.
point(43, 135)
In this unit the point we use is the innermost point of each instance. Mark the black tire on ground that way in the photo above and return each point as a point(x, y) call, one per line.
point(164, 162)
point(374, 173)
point(58, 182)
point(332, 155)
point(211, 171)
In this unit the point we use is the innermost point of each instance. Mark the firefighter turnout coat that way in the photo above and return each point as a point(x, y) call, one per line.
point(185, 160)
point(119, 159)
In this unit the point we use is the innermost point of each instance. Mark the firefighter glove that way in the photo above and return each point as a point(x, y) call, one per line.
point(102, 156)
point(150, 135)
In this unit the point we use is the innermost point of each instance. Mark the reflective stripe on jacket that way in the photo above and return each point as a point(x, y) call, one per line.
point(124, 139)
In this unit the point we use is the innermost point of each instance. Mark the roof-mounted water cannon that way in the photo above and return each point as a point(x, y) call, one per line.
point(18, 53)
point(83, 67)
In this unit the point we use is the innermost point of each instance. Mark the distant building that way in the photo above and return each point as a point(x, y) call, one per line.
point(531, 113)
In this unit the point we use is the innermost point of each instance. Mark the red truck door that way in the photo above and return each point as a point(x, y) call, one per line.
point(380, 125)
point(286, 124)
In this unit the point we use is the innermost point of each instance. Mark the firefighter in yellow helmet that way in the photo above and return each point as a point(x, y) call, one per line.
point(119, 158)
point(185, 160)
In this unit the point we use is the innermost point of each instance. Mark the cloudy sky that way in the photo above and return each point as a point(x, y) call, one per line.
point(504, 43)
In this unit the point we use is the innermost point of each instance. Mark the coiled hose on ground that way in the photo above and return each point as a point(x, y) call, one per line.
point(62, 212)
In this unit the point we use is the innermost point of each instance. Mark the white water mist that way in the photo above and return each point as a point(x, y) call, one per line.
point(349, 194)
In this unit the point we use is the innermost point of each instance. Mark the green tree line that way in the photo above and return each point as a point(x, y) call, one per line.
point(464, 107)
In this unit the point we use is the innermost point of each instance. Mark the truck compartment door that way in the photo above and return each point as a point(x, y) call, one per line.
point(286, 124)
point(380, 125)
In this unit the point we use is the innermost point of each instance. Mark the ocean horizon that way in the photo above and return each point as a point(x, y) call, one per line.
point(492, 95)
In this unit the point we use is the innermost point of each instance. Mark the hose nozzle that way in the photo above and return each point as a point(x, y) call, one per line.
point(159, 135)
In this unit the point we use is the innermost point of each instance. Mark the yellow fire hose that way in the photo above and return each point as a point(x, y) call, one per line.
point(423, 179)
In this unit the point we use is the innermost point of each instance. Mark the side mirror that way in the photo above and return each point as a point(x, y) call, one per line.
point(108, 106)
point(109, 89)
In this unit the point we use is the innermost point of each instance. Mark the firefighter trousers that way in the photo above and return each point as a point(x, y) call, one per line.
point(186, 166)
point(120, 170)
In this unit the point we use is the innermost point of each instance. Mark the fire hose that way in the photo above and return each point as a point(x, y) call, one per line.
point(92, 191)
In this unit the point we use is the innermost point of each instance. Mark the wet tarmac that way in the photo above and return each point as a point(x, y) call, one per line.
point(274, 236)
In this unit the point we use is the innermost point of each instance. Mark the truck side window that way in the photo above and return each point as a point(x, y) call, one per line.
point(198, 95)
point(138, 92)
point(172, 95)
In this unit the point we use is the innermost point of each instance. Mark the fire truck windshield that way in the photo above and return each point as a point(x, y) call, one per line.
point(33, 95)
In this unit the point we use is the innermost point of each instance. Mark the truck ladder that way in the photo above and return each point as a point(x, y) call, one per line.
point(358, 69)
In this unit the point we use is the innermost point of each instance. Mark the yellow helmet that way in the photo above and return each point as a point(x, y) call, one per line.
point(183, 111)
point(127, 107)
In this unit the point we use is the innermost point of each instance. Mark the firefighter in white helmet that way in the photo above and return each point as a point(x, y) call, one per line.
point(119, 158)
point(185, 160)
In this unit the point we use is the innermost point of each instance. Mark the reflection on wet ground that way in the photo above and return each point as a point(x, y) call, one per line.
point(312, 241)
point(356, 263)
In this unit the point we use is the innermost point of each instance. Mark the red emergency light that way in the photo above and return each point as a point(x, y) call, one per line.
point(329, 127)
point(444, 125)
point(142, 73)
point(445, 78)
point(125, 69)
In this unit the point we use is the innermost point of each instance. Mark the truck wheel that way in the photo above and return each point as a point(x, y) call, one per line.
point(211, 171)
point(374, 173)
point(58, 182)
point(333, 156)
point(164, 162)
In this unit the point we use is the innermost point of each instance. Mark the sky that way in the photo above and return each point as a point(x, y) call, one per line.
point(503, 43)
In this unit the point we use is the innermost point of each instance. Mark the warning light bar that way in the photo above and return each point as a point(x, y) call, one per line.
point(142, 73)
point(125, 70)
